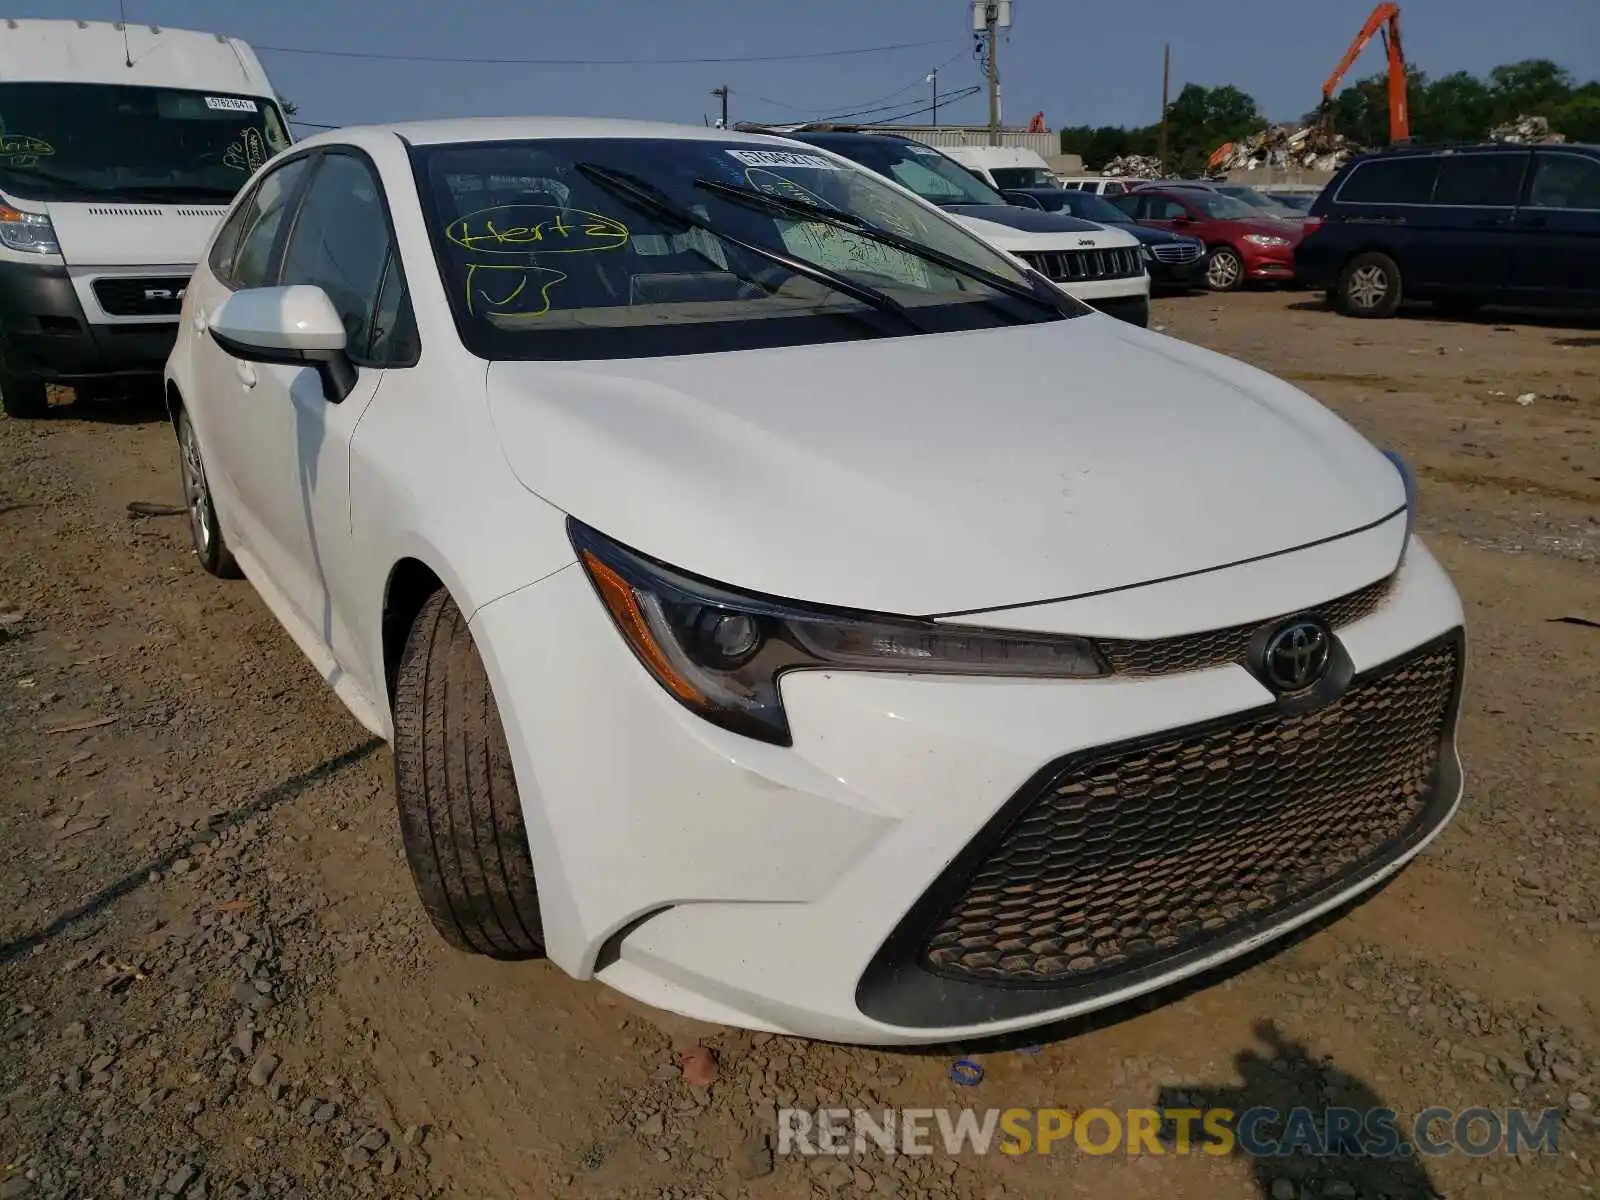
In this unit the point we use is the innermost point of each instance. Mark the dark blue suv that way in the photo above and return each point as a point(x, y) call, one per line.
point(1461, 227)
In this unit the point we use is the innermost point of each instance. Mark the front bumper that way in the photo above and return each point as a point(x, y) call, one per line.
point(1269, 264)
point(44, 333)
point(772, 887)
point(1178, 275)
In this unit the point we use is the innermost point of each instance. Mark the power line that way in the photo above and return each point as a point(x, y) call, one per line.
point(599, 62)
point(944, 101)
point(860, 106)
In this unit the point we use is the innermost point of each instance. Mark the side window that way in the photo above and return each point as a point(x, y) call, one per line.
point(1565, 181)
point(1167, 210)
point(340, 242)
point(1481, 180)
point(1391, 181)
point(258, 231)
point(227, 239)
point(1114, 189)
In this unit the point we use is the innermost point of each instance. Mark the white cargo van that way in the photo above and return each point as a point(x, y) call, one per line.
point(120, 148)
point(1003, 167)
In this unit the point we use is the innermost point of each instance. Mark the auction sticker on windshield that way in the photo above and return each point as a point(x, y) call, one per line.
point(230, 104)
point(782, 158)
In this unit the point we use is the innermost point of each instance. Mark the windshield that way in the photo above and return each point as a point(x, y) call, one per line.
point(1215, 204)
point(549, 251)
point(99, 142)
point(918, 168)
point(1253, 198)
point(1023, 177)
point(1090, 207)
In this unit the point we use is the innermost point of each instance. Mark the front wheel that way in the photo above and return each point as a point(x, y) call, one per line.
point(460, 818)
point(1369, 286)
point(23, 399)
point(210, 547)
point(1225, 270)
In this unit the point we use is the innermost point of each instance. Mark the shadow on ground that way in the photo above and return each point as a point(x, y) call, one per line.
point(1288, 1100)
point(271, 798)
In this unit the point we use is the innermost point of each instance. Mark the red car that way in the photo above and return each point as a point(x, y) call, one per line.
point(1241, 244)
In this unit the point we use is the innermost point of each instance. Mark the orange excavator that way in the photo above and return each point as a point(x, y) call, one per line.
point(1384, 22)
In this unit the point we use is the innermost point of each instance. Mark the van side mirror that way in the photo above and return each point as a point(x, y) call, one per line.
point(295, 325)
point(1023, 200)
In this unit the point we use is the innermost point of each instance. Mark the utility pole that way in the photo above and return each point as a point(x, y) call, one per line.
point(1166, 68)
point(722, 94)
point(934, 79)
point(988, 18)
point(991, 21)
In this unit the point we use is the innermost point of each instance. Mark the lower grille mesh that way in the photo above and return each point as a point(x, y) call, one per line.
point(1140, 855)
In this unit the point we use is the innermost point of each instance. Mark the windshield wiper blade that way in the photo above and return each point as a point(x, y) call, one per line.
point(653, 201)
point(804, 211)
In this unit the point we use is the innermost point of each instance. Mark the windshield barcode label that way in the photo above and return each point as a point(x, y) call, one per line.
point(782, 158)
point(230, 104)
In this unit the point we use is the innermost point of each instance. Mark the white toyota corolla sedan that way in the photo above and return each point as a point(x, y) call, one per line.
point(787, 609)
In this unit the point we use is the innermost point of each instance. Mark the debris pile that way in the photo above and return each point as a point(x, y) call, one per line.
point(1134, 166)
point(1306, 146)
point(1525, 130)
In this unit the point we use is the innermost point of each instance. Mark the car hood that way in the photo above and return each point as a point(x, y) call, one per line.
point(1153, 237)
point(1021, 230)
point(1028, 220)
point(936, 474)
point(106, 235)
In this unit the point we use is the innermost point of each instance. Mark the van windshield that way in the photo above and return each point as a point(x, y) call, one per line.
point(1023, 177)
point(115, 142)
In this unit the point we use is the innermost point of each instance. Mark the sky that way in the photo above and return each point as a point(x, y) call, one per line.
point(1094, 63)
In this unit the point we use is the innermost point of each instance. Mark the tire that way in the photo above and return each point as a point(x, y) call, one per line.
point(460, 817)
point(1370, 286)
point(1224, 270)
point(24, 399)
point(210, 547)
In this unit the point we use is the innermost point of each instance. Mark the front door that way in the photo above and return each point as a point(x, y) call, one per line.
point(297, 481)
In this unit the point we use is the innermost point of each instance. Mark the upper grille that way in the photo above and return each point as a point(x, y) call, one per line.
point(1073, 266)
point(1216, 647)
point(1177, 252)
point(125, 297)
point(1135, 856)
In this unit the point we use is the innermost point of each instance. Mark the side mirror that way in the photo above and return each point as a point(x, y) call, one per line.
point(293, 326)
point(1023, 200)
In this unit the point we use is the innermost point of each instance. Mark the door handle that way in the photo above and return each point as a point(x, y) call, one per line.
point(247, 373)
point(199, 320)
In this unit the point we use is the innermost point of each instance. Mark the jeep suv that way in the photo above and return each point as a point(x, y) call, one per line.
point(1464, 226)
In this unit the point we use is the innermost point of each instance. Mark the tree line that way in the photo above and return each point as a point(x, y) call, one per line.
point(1453, 108)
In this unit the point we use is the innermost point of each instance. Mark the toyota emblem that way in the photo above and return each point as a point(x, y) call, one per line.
point(1296, 656)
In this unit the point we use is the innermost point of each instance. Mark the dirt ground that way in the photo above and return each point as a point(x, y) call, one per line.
point(216, 980)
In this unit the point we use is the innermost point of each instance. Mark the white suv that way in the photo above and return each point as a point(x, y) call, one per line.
point(1097, 264)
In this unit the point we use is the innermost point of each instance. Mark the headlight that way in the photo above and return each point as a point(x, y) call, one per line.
point(31, 233)
point(1265, 239)
point(720, 653)
point(1409, 479)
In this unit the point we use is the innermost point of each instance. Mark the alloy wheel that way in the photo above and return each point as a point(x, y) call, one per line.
point(1368, 286)
point(195, 493)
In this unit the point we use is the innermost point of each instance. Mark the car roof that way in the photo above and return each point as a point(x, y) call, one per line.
point(509, 129)
point(841, 138)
